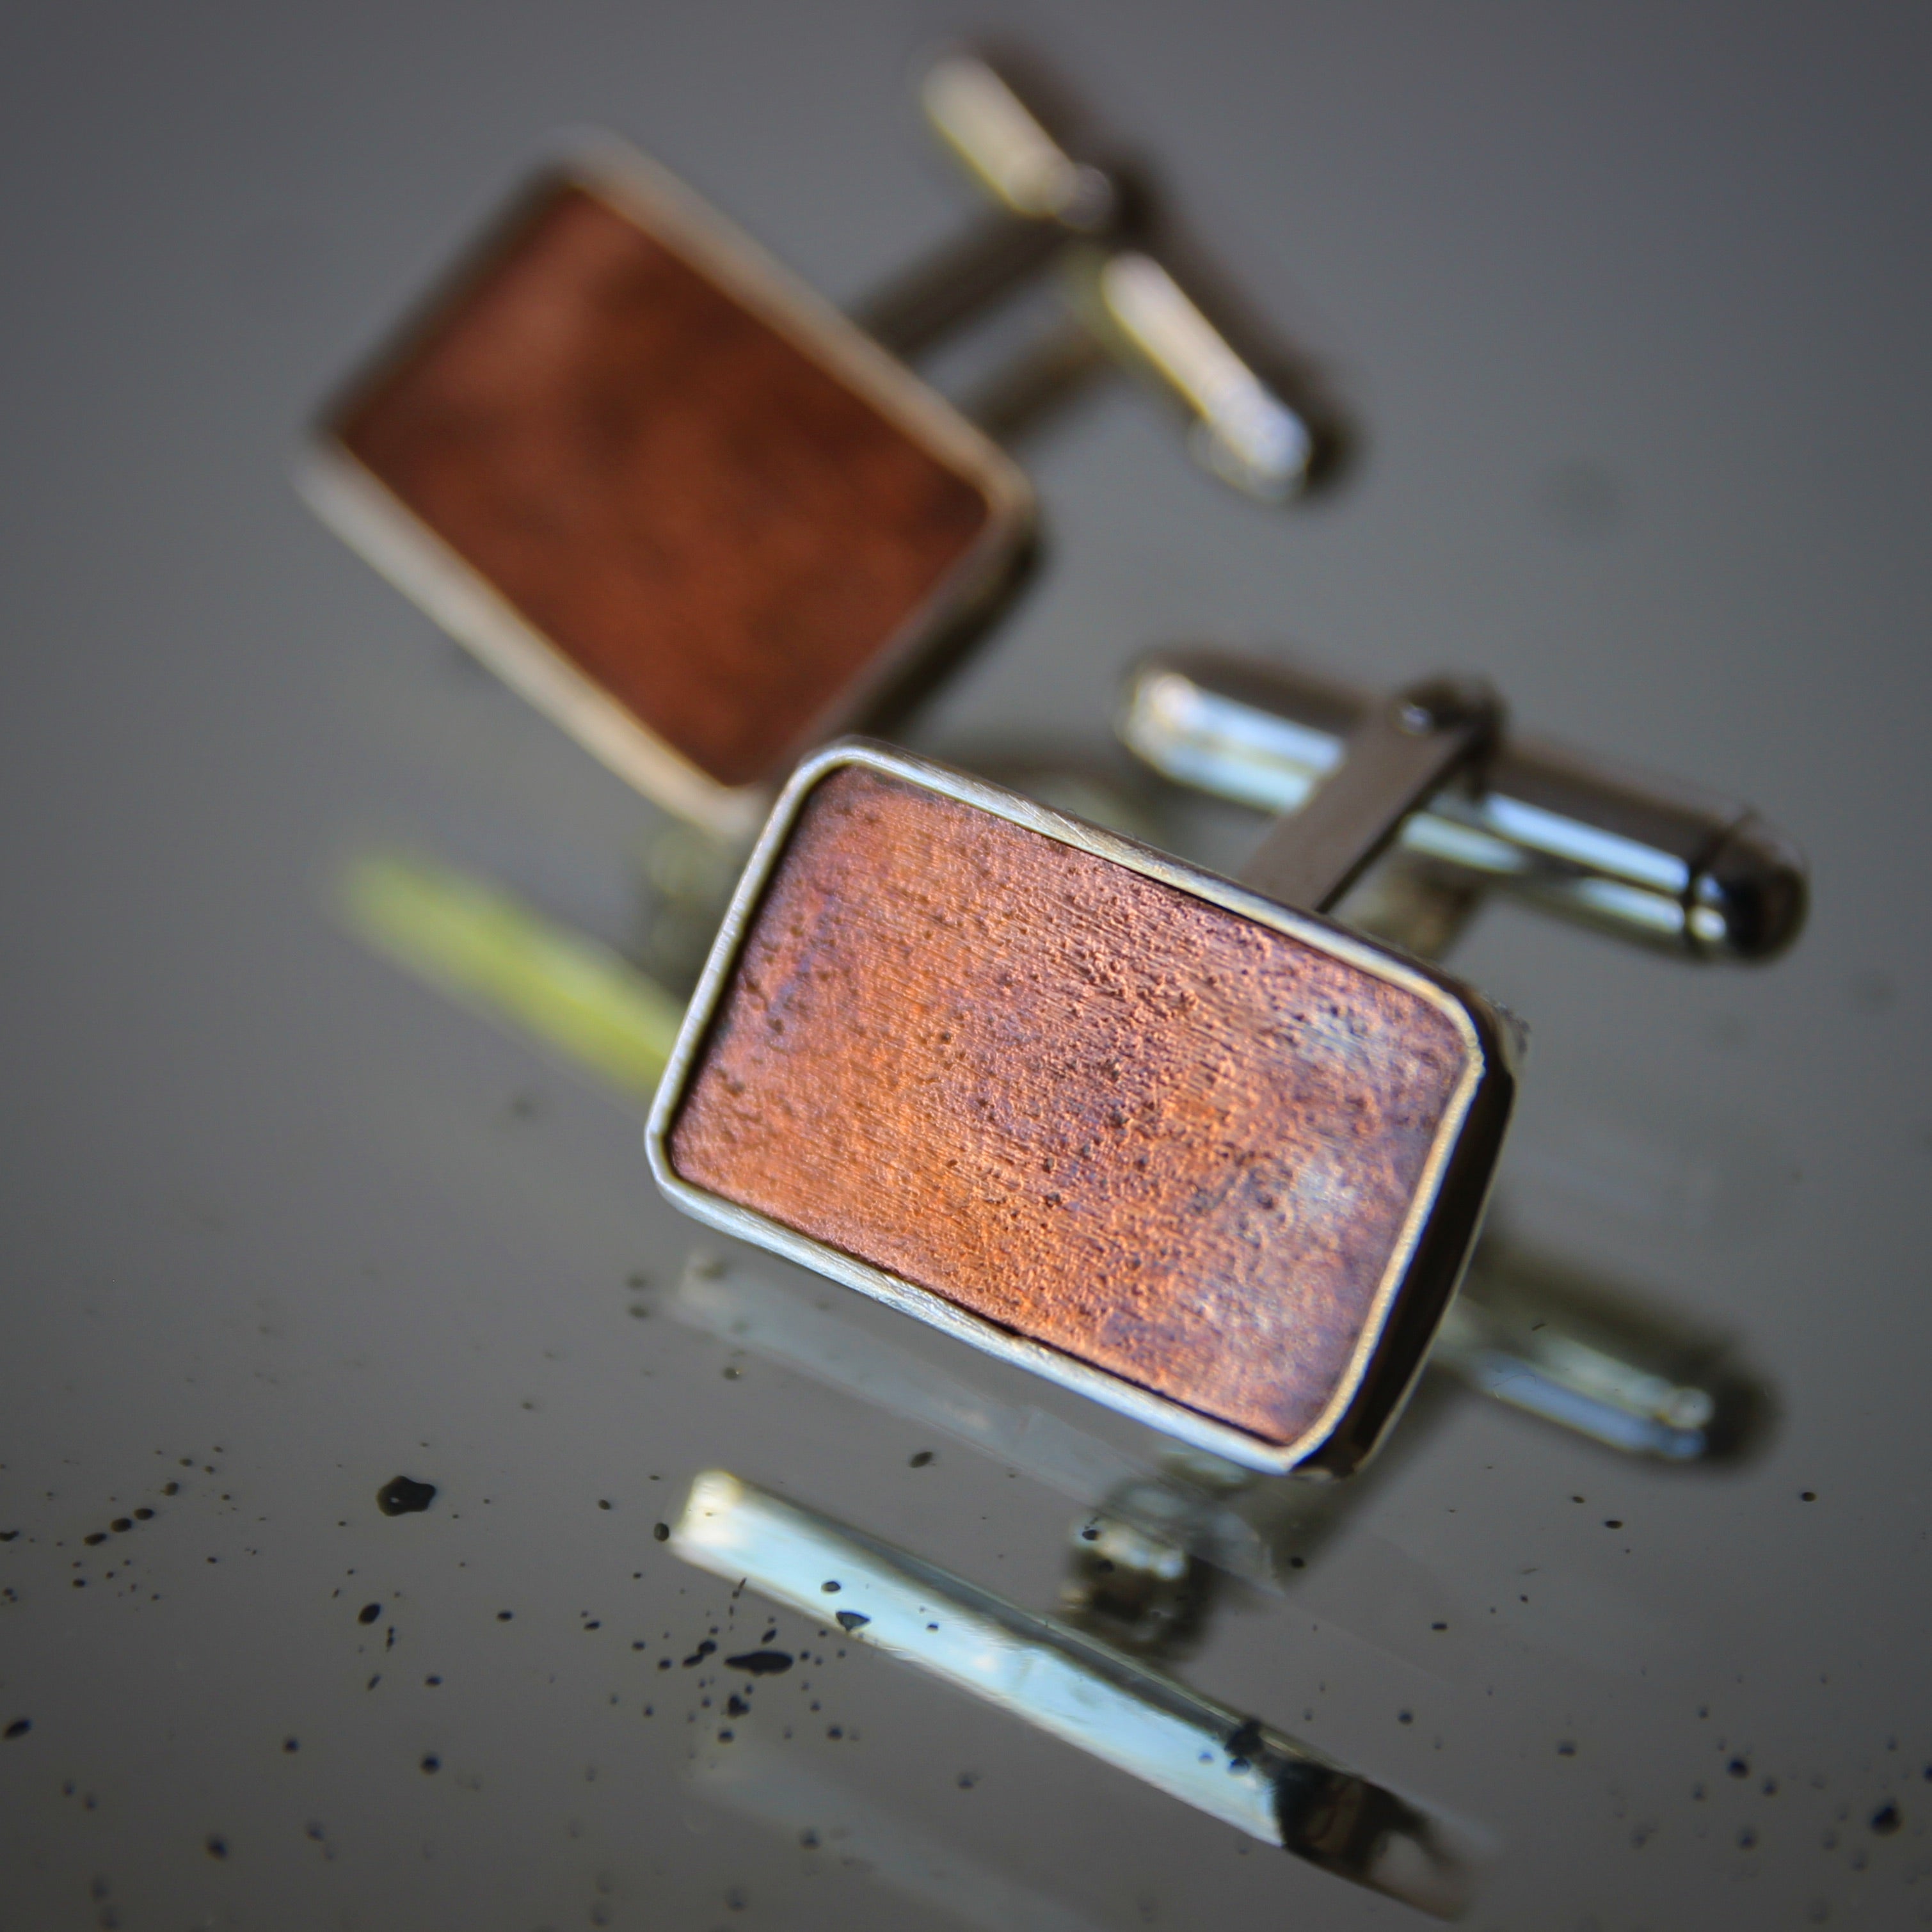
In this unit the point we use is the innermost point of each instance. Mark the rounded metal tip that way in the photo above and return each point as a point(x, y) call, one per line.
point(1751, 894)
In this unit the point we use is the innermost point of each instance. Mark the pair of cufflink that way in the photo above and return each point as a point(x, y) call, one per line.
point(1191, 1146)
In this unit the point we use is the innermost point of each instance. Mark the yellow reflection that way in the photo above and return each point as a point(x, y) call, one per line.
point(504, 960)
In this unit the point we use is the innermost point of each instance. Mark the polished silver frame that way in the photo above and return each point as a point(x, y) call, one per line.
point(362, 511)
point(1424, 1268)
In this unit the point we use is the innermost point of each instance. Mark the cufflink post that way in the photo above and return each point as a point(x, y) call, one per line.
point(1652, 862)
point(1133, 292)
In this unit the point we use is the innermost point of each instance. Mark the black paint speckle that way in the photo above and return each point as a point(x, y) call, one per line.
point(1738, 1768)
point(217, 1848)
point(1886, 1820)
point(1245, 1740)
point(291, 1743)
point(852, 1620)
point(830, 1587)
point(504, 1616)
point(757, 1663)
point(662, 1530)
point(402, 1495)
point(919, 1460)
point(368, 1613)
point(431, 1764)
point(19, 1728)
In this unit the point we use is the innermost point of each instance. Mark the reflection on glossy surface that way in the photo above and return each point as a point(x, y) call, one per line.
point(1230, 1766)
point(1146, 1593)
point(503, 959)
point(822, 1815)
point(1597, 1359)
point(1128, 1468)
point(1658, 863)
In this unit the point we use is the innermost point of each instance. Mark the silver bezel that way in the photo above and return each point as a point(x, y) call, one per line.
point(364, 512)
point(1485, 1041)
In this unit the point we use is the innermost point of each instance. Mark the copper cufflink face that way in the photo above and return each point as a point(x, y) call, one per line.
point(1215, 1163)
point(683, 505)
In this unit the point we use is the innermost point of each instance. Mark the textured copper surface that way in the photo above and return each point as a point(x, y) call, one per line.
point(707, 521)
point(1110, 1116)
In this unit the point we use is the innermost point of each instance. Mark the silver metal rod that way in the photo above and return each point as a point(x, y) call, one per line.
point(1662, 865)
point(1129, 282)
point(1098, 1699)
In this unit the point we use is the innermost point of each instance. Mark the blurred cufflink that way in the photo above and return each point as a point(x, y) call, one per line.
point(1182, 1145)
point(706, 522)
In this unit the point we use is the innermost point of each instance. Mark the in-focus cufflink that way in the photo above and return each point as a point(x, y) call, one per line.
point(706, 522)
point(1180, 1144)
point(1661, 864)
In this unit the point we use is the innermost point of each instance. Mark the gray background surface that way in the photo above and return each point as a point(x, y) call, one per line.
point(1634, 304)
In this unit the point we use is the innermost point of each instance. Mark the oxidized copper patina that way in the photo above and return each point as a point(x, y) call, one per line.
point(1174, 1143)
point(708, 522)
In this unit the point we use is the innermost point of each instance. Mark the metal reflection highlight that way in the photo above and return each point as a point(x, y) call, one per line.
point(1593, 1359)
point(499, 957)
point(1660, 864)
point(980, 115)
point(1231, 1767)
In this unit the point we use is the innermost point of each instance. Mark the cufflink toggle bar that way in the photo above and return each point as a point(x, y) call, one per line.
point(1648, 860)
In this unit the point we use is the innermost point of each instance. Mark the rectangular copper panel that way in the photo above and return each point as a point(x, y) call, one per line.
point(1168, 1140)
point(712, 524)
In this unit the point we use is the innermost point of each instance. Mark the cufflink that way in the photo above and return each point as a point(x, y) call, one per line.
point(705, 521)
point(1180, 1144)
point(1188, 1146)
